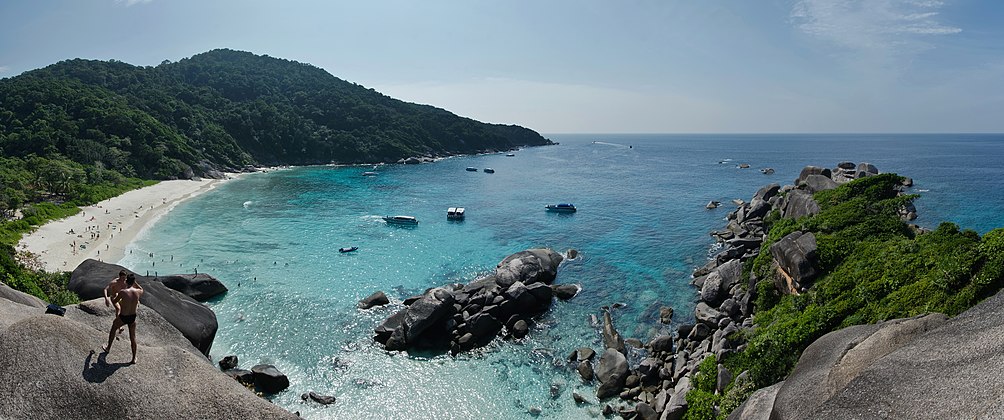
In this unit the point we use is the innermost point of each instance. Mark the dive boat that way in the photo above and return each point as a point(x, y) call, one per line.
point(561, 208)
point(455, 213)
point(401, 220)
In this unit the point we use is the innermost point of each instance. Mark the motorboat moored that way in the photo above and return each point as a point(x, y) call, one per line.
point(561, 208)
point(455, 213)
point(489, 171)
point(347, 249)
point(369, 173)
point(472, 169)
point(401, 220)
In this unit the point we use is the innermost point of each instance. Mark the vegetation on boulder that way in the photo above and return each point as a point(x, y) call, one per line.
point(875, 267)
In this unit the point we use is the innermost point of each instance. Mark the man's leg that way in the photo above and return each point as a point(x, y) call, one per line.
point(111, 334)
point(132, 338)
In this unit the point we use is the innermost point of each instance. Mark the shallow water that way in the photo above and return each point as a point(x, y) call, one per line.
point(641, 228)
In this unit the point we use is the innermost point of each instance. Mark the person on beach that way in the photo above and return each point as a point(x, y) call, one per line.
point(128, 300)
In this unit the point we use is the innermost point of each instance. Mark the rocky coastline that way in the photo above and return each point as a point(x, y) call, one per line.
point(656, 387)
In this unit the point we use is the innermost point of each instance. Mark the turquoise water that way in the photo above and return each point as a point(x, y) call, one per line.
point(641, 228)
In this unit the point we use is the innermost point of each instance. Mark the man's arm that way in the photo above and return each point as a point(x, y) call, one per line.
point(107, 303)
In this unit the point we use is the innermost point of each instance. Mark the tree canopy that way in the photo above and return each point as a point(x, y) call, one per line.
point(222, 110)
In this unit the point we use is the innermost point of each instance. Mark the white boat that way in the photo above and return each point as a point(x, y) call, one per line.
point(561, 208)
point(455, 213)
point(369, 173)
point(489, 171)
point(401, 220)
point(510, 154)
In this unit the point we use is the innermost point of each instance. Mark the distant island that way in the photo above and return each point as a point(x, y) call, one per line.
point(224, 110)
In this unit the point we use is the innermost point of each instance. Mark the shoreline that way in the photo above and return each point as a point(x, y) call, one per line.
point(104, 230)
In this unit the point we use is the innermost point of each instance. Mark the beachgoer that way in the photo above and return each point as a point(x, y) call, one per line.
point(128, 299)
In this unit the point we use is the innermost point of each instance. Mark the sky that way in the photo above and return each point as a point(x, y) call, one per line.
point(584, 66)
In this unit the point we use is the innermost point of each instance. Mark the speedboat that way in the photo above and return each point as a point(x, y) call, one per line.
point(561, 208)
point(401, 220)
point(369, 173)
point(472, 169)
point(489, 171)
point(347, 249)
point(510, 154)
point(455, 213)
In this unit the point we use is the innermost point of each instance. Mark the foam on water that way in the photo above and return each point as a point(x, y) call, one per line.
point(641, 228)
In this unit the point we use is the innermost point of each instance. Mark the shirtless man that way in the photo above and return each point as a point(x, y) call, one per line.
point(127, 300)
point(113, 288)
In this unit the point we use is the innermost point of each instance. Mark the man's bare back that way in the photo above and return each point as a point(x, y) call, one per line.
point(126, 301)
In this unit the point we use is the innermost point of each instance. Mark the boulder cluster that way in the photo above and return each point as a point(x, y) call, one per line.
point(174, 297)
point(656, 388)
point(462, 317)
point(54, 368)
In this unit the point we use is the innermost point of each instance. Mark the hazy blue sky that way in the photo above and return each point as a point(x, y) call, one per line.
point(584, 66)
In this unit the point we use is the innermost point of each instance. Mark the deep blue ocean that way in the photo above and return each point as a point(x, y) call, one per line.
point(641, 229)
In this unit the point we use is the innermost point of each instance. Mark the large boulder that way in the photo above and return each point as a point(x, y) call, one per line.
point(612, 372)
point(20, 297)
point(799, 203)
point(195, 321)
point(611, 338)
point(926, 367)
point(817, 183)
point(41, 375)
point(200, 287)
point(796, 255)
point(268, 379)
point(530, 266)
point(378, 298)
point(423, 313)
point(811, 170)
point(758, 406)
point(834, 360)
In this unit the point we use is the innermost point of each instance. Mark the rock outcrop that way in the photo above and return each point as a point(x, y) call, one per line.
point(41, 376)
point(195, 321)
point(463, 317)
point(796, 255)
point(661, 380)
point(200, 287)
point(896, 369)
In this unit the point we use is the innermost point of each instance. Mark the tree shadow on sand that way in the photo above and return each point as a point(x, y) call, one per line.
point(96, 371)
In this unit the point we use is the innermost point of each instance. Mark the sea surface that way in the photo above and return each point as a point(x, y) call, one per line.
point(641, 229)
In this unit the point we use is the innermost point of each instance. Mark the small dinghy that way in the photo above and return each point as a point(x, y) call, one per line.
point(347, 249)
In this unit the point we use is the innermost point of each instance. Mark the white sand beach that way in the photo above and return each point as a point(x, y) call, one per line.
point(104, 230)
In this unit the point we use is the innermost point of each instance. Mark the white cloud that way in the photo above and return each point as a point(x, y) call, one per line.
point(128, 3)
point(872, 24)
point(4, 69)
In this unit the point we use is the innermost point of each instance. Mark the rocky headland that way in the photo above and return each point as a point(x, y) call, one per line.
point(656, 384)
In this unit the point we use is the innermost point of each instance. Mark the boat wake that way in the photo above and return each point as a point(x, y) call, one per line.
point(610, 144)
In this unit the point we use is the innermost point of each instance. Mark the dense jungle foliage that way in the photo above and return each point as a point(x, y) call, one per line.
point(224, 109)
point(81, 131)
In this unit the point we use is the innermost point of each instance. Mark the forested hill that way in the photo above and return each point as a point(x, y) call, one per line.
point(224, 109)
